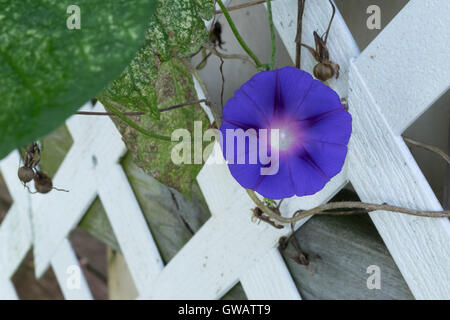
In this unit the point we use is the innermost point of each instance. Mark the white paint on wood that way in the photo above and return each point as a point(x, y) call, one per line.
point(90, 168)
point(55, 214)
point(382, 168)
point(384, 171)
point(62, 260)
point(130, 228)
point(269, 279)
point(406, 67)
point(7, 291)
point(15, 230)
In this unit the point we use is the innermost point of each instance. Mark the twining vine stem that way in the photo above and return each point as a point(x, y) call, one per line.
point(222, 55)
point(324, 209)
point(222, 89)
point(428, 147)
point(272, 35)
point(113, 107)
point(242, 6)
point(237, 34)
point(298, 37)
point(360, 207)
point(141, 113)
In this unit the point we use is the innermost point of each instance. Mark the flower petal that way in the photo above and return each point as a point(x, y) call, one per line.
point(307, 178)
point(260, 90)
point(328, 157)
point(334, 127)
point(241, 109)
point(295, 85)
point(279, 185)
point(320, 99)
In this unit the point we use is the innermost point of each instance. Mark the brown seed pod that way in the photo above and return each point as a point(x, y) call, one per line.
point(323, 71)
point(42, 182)
point(25, 174)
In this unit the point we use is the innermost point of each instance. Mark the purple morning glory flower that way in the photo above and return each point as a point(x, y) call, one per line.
point(313, 132)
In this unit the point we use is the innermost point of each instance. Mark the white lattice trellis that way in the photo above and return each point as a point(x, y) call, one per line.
point(388, 87)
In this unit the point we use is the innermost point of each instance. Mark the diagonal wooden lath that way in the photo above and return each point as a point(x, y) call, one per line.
point(400, 75)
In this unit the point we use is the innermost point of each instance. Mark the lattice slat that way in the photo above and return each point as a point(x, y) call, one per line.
point(62, 260)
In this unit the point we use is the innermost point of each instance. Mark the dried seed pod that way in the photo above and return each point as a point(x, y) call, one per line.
point(42, 182)
point(323, 71)
point(25, 174)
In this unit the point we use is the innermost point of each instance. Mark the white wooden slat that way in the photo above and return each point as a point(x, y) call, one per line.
point(62, 260)
point(7, 291)
point(15, 230)
point(383, 170)
point(15, 240)
point(92, 165)
point(406, 66)
point(269, 279)
point(389, 91)
point(55, 214)
point(218, 195)
point(130, 227)
point(200, 96)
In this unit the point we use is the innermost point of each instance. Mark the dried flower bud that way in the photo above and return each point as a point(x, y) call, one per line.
point(42, 182)
point(25, 174)
point(323, 71)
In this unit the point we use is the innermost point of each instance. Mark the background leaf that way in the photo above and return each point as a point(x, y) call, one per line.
point(48, 71)
point(173, 85)
point(158, 78)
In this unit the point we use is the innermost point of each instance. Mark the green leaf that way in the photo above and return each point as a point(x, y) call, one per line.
point(48, 71)
point(157, 78)
point(173, 85)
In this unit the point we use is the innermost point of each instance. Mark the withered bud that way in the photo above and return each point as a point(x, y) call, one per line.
point(42, 182)
point(323, 71)
point(25, 174)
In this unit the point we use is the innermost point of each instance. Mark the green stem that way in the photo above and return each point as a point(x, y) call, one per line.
point(237, 35)
point(272, 35)
point(117, 113)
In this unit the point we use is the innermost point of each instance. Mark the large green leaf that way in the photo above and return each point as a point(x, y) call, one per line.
point(48, 71)
point(173, 85)
point(157, 78)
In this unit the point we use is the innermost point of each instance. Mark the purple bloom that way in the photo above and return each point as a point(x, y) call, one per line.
point(313, 126)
